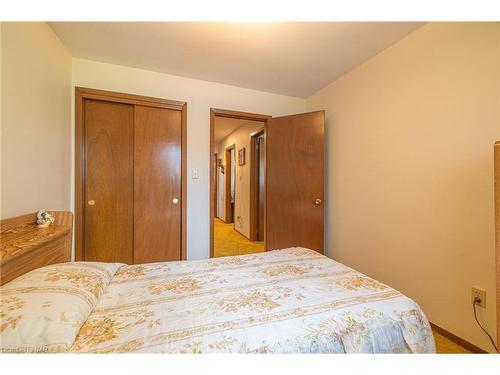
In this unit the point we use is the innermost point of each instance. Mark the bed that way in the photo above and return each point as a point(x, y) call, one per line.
point(284, 301)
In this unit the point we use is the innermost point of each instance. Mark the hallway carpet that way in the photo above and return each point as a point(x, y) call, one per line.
point(228, 241)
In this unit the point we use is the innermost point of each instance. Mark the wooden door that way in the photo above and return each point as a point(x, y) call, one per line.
point(229, 184)
point(497, 232)
point(294, 178)
point(261, 179)
point(108, 191)
point(157, 185)
point(130, 177)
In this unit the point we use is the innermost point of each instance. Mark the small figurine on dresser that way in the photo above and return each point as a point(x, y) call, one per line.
point(44, 219)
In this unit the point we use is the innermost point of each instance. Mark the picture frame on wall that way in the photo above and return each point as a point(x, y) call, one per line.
point(241, 156)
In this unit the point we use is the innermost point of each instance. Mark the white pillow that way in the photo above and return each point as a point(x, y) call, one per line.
point(43, 310)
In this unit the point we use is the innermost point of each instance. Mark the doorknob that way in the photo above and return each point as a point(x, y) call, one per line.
point(175, 201)
point(91, 202)
point(317, 202)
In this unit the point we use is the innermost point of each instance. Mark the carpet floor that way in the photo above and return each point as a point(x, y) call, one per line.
point(228, 241)
point(446, 346)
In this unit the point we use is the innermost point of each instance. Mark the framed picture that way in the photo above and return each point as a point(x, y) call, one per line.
point(241, 156)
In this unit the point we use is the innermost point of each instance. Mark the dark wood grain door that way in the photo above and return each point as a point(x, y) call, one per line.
point(262, 185)
point(295, 180)
point(157, 185)
point(108, 192)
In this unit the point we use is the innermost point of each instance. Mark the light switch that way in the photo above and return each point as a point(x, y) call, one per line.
point(196, 174)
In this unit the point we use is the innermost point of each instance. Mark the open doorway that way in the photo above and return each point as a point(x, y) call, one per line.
point(237, 183)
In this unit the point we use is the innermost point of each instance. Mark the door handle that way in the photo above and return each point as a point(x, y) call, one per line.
point(175, 201)
point(91, 202)
point(317, 202)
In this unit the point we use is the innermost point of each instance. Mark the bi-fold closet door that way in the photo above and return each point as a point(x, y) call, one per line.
point(132, 182)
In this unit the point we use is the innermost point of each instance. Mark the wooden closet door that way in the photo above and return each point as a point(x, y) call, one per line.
point(157, 185)
point(108, 194)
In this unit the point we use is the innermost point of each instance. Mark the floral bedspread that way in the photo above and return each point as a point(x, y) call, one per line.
point(286, 301)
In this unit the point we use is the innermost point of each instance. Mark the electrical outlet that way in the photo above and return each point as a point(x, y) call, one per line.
point(479, 293)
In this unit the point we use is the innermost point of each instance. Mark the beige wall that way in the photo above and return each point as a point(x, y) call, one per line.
point(200, 96)
point(409, 141)
point(241, 138)
point(36, 120)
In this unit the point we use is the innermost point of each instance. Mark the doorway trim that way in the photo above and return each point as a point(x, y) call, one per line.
point(254, 185)
point(227, 191)
point(215, 161)
point(215, 112)
point(82, 93)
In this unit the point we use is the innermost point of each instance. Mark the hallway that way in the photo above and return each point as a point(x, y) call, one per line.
point(227, 241)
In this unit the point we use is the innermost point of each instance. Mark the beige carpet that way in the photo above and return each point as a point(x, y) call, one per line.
point(446, 346)
point(228, 241)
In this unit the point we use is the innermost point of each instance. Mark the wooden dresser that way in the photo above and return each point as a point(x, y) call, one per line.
point(24, 247)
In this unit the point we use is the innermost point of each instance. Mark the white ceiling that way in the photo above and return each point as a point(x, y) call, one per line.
point(223, 126)
point(294, 58)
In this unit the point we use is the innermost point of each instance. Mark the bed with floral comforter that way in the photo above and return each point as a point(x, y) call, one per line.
point(285, 301)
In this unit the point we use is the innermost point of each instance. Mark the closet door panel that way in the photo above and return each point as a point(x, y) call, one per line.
point(108, 191)
point(157, 185)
